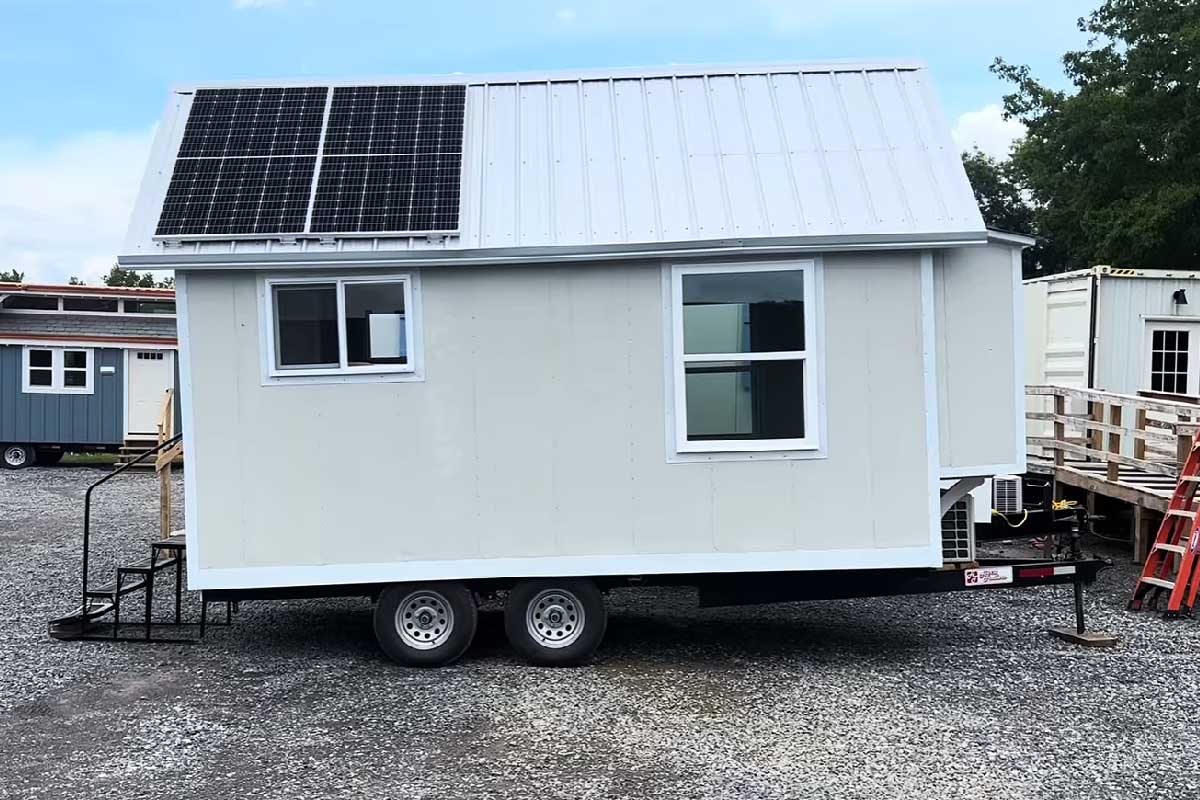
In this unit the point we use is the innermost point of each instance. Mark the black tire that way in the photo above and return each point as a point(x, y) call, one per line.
point(16, 456)
point(48, 458)
point(421, 643)
point(570, 614)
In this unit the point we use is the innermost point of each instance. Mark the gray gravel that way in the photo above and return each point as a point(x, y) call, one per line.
point(959, 696)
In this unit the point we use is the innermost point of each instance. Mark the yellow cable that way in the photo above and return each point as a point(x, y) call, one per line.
point(1024, 517)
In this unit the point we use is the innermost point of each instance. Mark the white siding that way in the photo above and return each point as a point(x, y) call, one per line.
point(539, 433)
point(1122, 305)
point(981, 396)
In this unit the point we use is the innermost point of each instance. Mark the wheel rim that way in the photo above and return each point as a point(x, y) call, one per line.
point(15, 456)
point(424, 620)
point(554, 618)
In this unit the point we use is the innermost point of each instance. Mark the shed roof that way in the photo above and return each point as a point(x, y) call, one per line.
point(645, 161)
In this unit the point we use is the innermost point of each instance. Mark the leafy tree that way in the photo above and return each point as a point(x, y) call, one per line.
point(998, 193)
point(127, 277)
point(74, 281)
point(1113, 169)
point(11, 276)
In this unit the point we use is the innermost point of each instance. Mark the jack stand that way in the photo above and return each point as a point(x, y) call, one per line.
point(1079, 634)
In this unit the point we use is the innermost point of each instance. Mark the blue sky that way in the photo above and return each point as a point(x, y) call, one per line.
point(82, 82)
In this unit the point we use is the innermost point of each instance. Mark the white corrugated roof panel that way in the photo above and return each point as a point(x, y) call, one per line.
point(681, 158)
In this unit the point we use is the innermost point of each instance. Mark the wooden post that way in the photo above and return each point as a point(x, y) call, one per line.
point(1139, 443)
point(166, 429)
point(1114, 442)
point(1060, 428)
point(1095, 435)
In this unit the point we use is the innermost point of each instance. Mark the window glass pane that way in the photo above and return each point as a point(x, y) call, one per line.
point(306, 326)
point(744, 400)
point(1156, 382)
point(1157, 340)
point(39, 377)
point(40, 358)
point(75, 359)
point(32, 301)
point(74, 377)
point(149, 306)
point(743, 312)
point(1181, 383)
point(375, 324)
point(89, 304)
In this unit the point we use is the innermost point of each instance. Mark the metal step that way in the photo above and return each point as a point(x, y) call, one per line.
point(1171, 548)
point(1179, 512)
point(1159, 582)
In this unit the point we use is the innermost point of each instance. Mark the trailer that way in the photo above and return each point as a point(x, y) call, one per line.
point(538, 335)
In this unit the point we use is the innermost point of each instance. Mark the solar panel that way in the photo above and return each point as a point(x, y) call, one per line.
point(237, 196)
point(391, 161)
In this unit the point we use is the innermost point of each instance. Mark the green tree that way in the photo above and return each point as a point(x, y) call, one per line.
point(127, 277)
point(1113, 168)
point(998, 193)
point(74, 281)
point(11, 276)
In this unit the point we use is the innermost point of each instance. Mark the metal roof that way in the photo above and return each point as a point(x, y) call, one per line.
point(679, 159)
point(72, 290)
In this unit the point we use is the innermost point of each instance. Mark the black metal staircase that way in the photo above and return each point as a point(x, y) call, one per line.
point(98, 617)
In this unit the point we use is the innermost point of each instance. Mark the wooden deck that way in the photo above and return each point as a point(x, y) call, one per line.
point(1125, 447)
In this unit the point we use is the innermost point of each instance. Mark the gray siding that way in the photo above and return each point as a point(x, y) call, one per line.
point(981, 422)
point(539, 431)
point(96, 418)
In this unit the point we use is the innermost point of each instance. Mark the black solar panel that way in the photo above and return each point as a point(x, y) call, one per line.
point(391, 161)
point(254, 122)
point(237, 195)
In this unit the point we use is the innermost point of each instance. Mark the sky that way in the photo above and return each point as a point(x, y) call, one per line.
point(84, 82)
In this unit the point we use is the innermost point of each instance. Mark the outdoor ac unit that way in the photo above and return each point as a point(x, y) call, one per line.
point(1006, 494)
point(958, 532)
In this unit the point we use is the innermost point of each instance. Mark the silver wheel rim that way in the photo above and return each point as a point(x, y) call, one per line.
point(15, 456)
point(424, 620)
point(554, 618)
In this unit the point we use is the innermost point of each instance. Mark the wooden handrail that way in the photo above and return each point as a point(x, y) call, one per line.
point(1112, 420)
point(162, 464)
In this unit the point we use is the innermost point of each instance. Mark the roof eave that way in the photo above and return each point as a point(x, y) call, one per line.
point(542, 255)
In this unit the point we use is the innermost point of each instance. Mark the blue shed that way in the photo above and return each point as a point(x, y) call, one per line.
point(82, 368)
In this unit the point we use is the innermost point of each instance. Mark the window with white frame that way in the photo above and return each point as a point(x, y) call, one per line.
point(332, 326)
point(57, 370)
point(1173, 366)
point(743, 345)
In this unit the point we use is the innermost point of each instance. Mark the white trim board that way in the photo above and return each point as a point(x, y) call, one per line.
point(79, 343)
point(554, 566)
point(932, 413)
point(188, 420)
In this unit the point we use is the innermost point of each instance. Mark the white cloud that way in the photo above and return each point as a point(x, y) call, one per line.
point(987, 130)
point(241, 4)
point(64, 208)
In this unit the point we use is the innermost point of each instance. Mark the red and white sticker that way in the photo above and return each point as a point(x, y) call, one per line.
point(988, 576)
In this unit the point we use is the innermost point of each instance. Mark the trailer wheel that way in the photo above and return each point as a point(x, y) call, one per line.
point(16, 456)
point(425, 624)
point(555, 622)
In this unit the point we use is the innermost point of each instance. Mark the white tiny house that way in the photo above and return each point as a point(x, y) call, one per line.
point(536, 331)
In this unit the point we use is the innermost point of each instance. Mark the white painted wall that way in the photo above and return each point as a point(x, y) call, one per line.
point(979, 341)
point(535, 444)
point(1122, 308)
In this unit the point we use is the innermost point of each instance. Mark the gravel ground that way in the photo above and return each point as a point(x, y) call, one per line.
point(958, 696)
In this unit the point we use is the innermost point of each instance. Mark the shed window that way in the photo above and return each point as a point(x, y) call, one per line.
point(340, 326)
point(744, 379)
point(58, 370)
point(1170, 358)
point(149, 306)
point(100, 305)
point(31, 302)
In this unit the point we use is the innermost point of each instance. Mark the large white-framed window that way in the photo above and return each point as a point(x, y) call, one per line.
point(57, 370)
point(1172, 357)
point(330, 326)
point(744, 357)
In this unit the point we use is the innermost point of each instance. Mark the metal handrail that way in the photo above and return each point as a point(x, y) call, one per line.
point(87, 504)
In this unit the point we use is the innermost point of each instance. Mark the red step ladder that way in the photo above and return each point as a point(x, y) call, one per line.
point(1173, 564)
